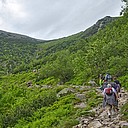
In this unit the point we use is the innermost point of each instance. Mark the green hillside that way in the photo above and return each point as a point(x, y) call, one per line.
point(75, 60)
point(15, 49)
point(33, 73)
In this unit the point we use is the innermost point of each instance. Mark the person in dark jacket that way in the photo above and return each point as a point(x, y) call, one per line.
point(117, 85)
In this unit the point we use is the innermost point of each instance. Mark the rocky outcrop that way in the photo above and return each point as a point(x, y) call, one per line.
point(65, 91)
point(100, 24)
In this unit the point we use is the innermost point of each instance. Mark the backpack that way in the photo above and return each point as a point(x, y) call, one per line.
point(108, 91)
point(116, 87)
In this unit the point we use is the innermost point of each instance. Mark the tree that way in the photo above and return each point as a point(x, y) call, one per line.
point(124, 8)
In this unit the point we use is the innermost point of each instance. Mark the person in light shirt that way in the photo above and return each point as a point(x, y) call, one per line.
point(110, 101)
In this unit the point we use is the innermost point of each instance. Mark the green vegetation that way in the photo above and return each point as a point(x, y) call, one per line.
point(68, 61)
point(124, 111)
point(22, 106)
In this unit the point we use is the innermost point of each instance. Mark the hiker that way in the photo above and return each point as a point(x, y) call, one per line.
point(108, 77)
point(117, 85)
point(107, 80)
point(116, 81)
point(101, 81)
point(110, 100)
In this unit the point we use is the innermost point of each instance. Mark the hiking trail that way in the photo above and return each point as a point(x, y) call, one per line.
point(101, 119)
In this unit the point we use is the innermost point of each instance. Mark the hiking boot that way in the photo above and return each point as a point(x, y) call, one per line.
point(109, 115)
point(117, 109)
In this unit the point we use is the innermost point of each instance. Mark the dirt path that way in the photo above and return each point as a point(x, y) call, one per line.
point(101, 120)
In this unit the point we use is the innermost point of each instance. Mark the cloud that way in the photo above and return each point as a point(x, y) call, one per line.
point(49, 19)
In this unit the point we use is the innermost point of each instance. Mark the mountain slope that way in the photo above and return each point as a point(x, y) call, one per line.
point(19, 50)
point(13, 37)
point(15, 49)
point(49, 86)
point(100, 24)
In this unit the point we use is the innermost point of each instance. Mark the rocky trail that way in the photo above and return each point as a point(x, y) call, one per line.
point(101, 119)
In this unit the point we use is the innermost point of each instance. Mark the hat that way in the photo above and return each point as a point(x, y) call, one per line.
point(109, 85)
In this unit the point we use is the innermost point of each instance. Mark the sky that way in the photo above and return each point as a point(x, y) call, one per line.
point(53, 19)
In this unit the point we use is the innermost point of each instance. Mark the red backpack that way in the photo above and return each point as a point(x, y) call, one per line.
point(109, 91)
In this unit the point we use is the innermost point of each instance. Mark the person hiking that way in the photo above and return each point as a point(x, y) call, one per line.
point(108, 77)
point(101, 81)
point(117, 85)
point(107, 80)
point(110, 99)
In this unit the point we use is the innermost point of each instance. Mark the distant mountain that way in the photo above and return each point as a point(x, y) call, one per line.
point(100, 24)
point(14, 36)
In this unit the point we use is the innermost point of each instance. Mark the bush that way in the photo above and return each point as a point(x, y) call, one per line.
point(124, 111)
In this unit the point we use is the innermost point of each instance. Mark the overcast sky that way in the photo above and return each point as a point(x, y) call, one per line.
point(52, 19)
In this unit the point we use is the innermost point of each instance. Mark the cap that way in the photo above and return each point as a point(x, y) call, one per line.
point(109, 85)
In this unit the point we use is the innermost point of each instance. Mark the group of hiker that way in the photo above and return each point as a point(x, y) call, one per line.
point(110, 87)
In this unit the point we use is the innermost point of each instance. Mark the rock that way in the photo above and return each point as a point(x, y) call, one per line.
point(46, 86)
point(80, 105)
point(29, 83)
point(80, 96)
point(92, 82)
point(84, 121)
point(95, 124)
point(77, 126)
point(65, 91)
point(123, 124)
